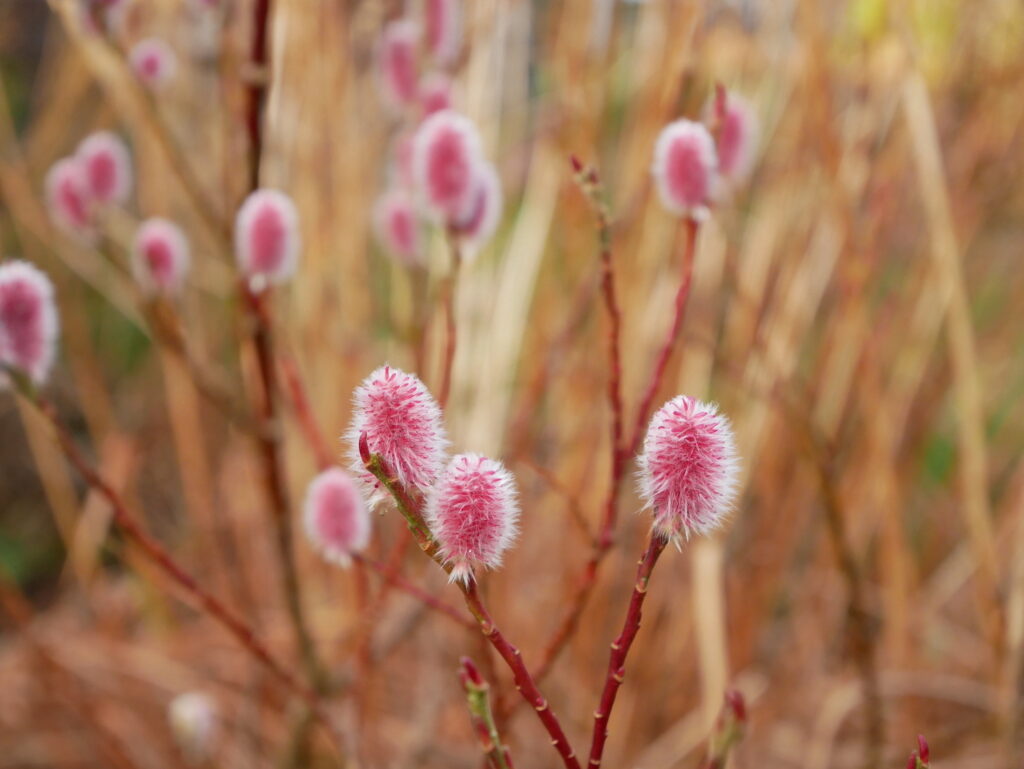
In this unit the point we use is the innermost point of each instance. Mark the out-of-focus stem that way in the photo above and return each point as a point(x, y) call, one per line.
point(620, 648)
point(304, 414)
point(525, 683)
point(691, 226)
point(273, 472)
point(451, 331)
point(392, 577)
point(166, 563)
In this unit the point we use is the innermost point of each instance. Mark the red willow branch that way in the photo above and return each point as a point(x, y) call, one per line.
point(257, 86)
point(620, 648)
point(691, 227)
point(392, 577)
point(211, 605)
point(273, 473)
point(525, 683)
point(304, 414)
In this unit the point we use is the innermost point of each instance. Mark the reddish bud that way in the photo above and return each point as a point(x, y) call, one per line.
point(685, 168)
point(689, 467)
point(28, 322)
point(397, 227)
point(396, 417)
point(736, 704)
point(471, 674)
point(154, 62)
point(923, 750)
point(337, 521)
point(160, 257)
point(577, 165)
point(107, 167)
point(446, 153)
point(267, 239)
point(68, 199)
point(396, 59)
point(473, 511)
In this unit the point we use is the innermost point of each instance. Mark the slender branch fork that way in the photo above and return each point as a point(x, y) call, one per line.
point(524, 681)
point(166, 563)
point(620, 647)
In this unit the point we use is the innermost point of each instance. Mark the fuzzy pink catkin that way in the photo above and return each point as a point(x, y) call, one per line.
point(194, 722)
point(28, 321)
point(473, 511)
point(688, 469)
point(402, 423)
point(154, 62)
point(397, 226)
point(445, 155)
point(267, 239)
point(685, 168)
point(160, 257)
point(337, 521)
point(737, 135)
point(397, 62)
point(442, 19)
point(478, 227)
point(435, 93)
point(68, 199)
point(107, 166)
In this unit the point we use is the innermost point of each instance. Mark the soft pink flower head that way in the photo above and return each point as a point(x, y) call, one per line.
point(397, 226)
point(154, 62)
point(685, 168)
point(402, 423)
point(397, 60)
point(107, 166)
point(435, 93)
point(160, 257)
point(443, 22)
point(28, 322)
point(473, 512)
point(337, 521)
point(481, 222)
point(688, 469)
point(68, 199)
point(445, 156)
point(737, 135)
point(267, 239)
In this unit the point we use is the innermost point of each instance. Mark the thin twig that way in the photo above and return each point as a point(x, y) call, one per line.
point(451, 332)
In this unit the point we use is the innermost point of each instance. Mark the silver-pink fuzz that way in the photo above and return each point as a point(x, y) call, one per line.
point(685, 168)
point(68, 199)
point(154, 62)
point(107, 167)
point(737, 135)
point(473, 512)
point(688, 468)
point(28, 322)
point(267, 239)
point(478, 227)
point(402, 423)
point(445, 156)
point(336, 518)
point(397, 227)
point(160, 257)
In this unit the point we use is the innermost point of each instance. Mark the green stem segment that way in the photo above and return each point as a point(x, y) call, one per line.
point(478, 699)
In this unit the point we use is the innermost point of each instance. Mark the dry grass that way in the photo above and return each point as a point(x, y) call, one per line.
point(854, 310)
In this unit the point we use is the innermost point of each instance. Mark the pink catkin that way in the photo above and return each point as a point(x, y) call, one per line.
point(107, 166)
point(68, 198)
point(402, 424)
point(688, 470)
point(446, 153)
point(737, 137)
point(337, 521)
point(685, 168)
point(267, 239)
point(473, 512)
point(435, 93)
point(154, 62)
point(442, 20)
point(397, 61)
point(160, 257)
point(478, 227)
point(397, 227)
point(28, 321)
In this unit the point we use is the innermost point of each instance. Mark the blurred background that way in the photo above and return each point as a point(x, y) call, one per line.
point(856, 310)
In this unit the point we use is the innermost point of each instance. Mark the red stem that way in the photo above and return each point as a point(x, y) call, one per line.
point(392, 577)
point(211, 605)
point(620, 648)
point(682, 295)
point(257, 88)
point(304, 414)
